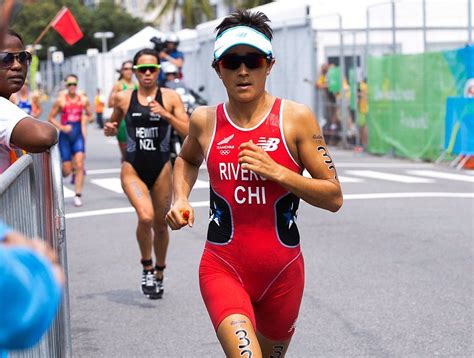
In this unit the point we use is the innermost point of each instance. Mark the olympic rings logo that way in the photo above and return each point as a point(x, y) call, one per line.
point(224, 151)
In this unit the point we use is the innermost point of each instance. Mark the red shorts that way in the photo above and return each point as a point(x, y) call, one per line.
point(271, 305)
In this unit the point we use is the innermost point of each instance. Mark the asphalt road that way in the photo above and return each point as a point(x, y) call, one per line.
point(389, 275)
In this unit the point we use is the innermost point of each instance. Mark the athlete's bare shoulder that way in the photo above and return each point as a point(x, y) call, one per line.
point(61, 99)
point(296, 111)
point(123, 96)
point(298, 122)
point(118, 86)
point(201, 126)
point(170, 95)
point(203, 116)
point(84, 98)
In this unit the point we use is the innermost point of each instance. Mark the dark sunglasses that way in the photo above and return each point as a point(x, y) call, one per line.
point(147, 67)
point(250, 60)
point(69, 84)
point(7, 58)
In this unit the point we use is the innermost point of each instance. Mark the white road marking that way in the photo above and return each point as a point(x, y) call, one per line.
point(388, 176)
point(102, 171)
point(201, 184)
point(408, 195)
point(442, 175)
point(68, 193)
point(112, 184)
point(200, 204)
point(384, 165)
point(342, 179)
point(197, 204)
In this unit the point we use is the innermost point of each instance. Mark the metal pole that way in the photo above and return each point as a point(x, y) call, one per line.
point(394, 39)
point(469, 21)
point(104, 44)
point(342, 91)
point(367, 41)
point(353, 89)
point(49, 76)
point(314, 67)
point(423, 4)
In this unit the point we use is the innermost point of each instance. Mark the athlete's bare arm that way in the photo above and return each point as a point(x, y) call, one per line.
point(186, 167)
point(121, 103)
point(87, 109)
point(115, 89)
point(57, 107)
point(86, 116)
point(307, 146)
point(173, 112)
point(37, 108)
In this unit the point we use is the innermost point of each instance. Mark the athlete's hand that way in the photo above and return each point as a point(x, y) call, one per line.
point(157, 108)
point(254, 158)
point(66, 128)
point(110, 129)
point(180, 214)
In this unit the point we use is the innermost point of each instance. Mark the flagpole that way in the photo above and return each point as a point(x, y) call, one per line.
point(40, 37)
point(5, 14)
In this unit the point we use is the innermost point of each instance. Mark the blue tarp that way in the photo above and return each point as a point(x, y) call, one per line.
point(460, 118)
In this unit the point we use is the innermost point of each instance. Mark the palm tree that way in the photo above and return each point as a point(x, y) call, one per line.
point(246, 4)
point(193, 12)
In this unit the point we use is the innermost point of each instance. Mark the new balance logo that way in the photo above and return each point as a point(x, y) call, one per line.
point(268, 144)
point(135, 114)
point(226, 140)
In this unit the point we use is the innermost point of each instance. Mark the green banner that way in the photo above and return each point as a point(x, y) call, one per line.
point(407, 101)
point(33, 71)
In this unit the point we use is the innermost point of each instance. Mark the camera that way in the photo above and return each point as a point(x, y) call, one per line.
point(158, 43)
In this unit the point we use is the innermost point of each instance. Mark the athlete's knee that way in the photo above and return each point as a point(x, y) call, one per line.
point(66, 170)
point(145, 219)
point(79, 166)
point(160, 229)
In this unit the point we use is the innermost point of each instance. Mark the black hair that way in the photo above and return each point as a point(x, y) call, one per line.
point(70, 75)
point(146, 51)
point(242, 17)
point(121, 68)
point(15, 34)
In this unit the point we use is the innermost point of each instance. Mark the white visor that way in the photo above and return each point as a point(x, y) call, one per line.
point(241, 35)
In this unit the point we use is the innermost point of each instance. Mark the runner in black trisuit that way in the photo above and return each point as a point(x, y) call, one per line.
point(149, 114)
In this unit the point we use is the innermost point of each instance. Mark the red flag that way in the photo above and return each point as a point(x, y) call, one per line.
point(65, 24)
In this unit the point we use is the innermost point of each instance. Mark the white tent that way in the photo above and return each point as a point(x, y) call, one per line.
point(140, 40)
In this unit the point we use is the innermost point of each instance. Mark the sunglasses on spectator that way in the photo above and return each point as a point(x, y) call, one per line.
point(69, 84)
point(251, 61)
point(153, 67)
point(8, 58)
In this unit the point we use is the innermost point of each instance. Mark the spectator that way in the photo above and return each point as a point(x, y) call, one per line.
point(30, 282)
point(469, 88)
point(326, 84)
point(27, 101)
point(17, 129)
point(362, 115)
point(172, 55)
point(99, 102)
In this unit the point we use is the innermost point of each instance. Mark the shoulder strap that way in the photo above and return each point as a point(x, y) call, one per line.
point(159, 96)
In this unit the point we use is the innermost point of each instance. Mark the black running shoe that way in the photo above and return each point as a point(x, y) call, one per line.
point(148, 282)
point(160, 289)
